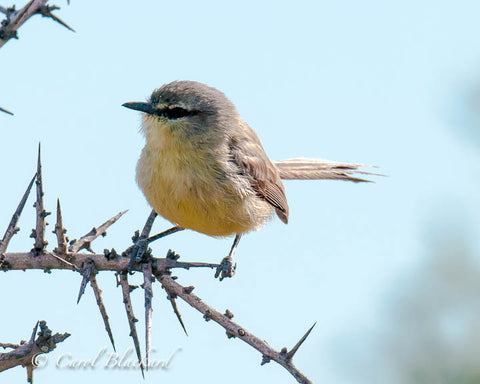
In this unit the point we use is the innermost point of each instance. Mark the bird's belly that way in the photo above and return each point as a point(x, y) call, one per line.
point(192, 197)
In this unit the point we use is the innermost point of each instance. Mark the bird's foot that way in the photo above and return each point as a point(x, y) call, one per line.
point(226, 268)
point(139, 252)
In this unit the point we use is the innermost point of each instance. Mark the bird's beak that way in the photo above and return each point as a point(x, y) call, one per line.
point(142, 107)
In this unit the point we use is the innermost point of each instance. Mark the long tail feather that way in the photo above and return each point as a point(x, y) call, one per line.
point(302, 168)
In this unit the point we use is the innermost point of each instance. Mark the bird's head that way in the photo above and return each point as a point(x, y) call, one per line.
point(189, 108)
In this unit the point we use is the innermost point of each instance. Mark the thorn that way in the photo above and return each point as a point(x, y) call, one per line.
point(46, 11)
point(84, 241)
point(123, 281)
point(177, 312)
point(60, 232)
point(32, 338)
point(178, 264)
point(132, 288)
point(147, 287)
point(289, 355)
point(98, 296)
point(29, 373)
point(74, 267)
point(87, 270)
point(39, 245)
point(6, 111)
point(12, 227)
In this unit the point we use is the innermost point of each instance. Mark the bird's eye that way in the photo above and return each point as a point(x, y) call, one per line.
point(176, 113)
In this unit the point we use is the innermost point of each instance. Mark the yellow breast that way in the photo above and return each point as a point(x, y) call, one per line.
point(182, 183)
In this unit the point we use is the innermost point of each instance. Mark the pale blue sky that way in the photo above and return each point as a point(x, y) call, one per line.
point(373, 82)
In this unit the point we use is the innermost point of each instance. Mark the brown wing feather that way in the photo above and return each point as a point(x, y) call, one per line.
point(303, 168)
point(249, 155)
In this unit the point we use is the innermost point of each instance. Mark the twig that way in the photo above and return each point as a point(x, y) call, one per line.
point(15, 19)
point(12, 227)
point(126, 288)
point(25, 354)
point(85, 241)
point(235, 330)
point(148, 225)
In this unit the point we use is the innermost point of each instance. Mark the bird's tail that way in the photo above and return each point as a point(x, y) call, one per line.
point(321, 169)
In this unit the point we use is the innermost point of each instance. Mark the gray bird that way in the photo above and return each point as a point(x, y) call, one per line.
point(204, 168)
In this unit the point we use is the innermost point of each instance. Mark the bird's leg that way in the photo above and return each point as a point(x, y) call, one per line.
point(139, 251)
point(227, 267)
point(177, 228)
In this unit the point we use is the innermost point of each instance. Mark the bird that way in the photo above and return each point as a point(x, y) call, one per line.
point(204, 168)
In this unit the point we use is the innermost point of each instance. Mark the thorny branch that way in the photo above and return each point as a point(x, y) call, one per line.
point(153, 269)
point(15, 19)
point(25, 353)
point(282, 357)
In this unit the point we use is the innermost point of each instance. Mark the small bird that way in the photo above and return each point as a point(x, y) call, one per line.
point(203, 167)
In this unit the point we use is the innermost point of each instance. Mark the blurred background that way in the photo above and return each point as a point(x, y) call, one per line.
point(388, 270)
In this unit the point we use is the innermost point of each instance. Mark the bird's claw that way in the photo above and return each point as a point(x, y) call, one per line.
point(226, 268)
point(138, 252)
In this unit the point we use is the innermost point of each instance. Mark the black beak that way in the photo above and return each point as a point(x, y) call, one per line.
point(142, 107)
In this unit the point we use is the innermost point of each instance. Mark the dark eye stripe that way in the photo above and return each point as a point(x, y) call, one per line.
point(176, 113)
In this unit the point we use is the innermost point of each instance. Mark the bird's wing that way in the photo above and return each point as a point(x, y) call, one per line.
point(253, 163)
